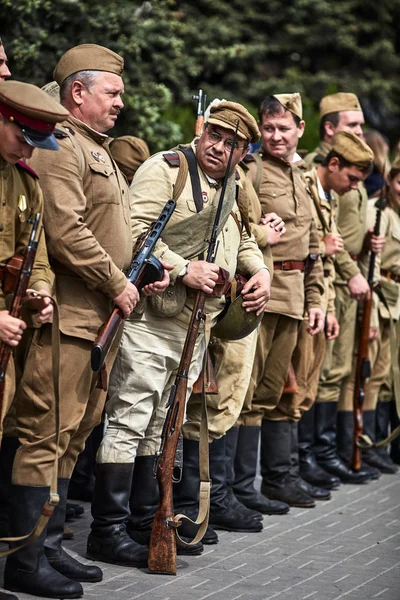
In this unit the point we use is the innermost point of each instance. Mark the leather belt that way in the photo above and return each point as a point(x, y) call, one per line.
point(354, 256)
point(289, 265)
point(391, 276)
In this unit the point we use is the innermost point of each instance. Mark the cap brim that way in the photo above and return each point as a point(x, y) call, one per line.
point(225, 125)
point(38, 140)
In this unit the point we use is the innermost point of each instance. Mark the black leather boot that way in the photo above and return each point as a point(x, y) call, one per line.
point(378, 457)
point(325, 445)
point(60, 560)
point(344, 441)
point(144, 502)
point(28, 569)
point(226, 512)
point(245, 473)
point(277, 483)
point(5, 596)
point(310, 470)
point(395, 445)
point(9, 446)
point(313, 491)
point(109, 540)
point(186, 494)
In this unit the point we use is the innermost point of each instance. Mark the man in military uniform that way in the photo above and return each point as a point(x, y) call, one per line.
point(341, 112)
point(88, 233)
point(296, 288)
point(27, 120)
point(4, 70)
point(346, 164)
point(129, 152)
point(153, 340)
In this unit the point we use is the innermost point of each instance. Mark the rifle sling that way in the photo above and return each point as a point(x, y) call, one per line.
point(54, 498)
point(205, 482)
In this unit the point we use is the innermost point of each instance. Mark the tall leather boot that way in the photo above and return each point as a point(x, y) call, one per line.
point(5, 596)
point(9, 447)
point(310, 470)
point(378, 457)
point(245, 473)
point(186, 494)
point(28, 569)
point(226, 512)
point(344, 441)
point(144, 502)
point(109, 540)
point(60, 560)
point(317, 493)
point(395, 445)
point(277, 483)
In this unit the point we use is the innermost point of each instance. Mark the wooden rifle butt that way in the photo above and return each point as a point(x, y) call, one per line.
point(162, 547)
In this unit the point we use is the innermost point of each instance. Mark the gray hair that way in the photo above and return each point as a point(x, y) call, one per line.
point(86, 77)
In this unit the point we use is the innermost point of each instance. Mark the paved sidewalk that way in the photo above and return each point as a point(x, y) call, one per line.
point(348, 548)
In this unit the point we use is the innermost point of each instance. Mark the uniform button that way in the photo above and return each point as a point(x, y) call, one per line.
point(4, 203)
point(226, 229)
point(1, 227)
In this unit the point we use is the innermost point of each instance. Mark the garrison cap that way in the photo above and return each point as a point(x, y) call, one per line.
point(337, 102)
point(87, 57)
point(227, 114)
point(129, 152)
point(35, 113)
point(291, 102)
point(353, 149)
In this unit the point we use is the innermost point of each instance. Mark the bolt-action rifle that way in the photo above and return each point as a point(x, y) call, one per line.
point(363, 368)
point(16, 277)
point(162, 547)
point(144, 269)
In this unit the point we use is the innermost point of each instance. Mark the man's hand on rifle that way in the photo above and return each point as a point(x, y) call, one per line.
point(373, 242)
point(316, 320)
point(332, 327)
point(201, 275)
point(128, 299)
point(158, 286)
point(41, 302)
point(373, 333)
point(257, 291)
point(358, 286)
point(11, 329)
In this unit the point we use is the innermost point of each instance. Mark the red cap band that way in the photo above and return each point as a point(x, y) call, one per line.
point(37, 124)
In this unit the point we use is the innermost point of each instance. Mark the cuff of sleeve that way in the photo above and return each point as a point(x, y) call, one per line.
point(114, 286)
point(40, 284)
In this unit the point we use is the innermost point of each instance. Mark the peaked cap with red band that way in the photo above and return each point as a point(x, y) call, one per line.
point(35, 113)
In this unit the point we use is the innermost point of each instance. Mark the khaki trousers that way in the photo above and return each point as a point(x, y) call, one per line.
point(307, 362)
point(81, 408)
point(140, 383)
point(276, 342)
point(337, 363)
point(9, 391)
point(233, 363)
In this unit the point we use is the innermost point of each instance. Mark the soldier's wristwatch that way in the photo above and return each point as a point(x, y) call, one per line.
point(183, 272)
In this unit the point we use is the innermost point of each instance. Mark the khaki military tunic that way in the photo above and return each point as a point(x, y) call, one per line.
point(380, 350)
point(352, 226)
point(283, 190)
point(20, 199)
point(152, 344)
point(87, 224)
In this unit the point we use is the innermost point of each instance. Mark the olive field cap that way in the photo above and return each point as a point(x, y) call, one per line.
point(291, 102)
point(35, 113)
point(227, 114)
point(130, 152)
point(338, 102)
point(87, 57)
point(353, 149)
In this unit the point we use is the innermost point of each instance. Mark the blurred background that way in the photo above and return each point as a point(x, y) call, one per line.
point(237, 50)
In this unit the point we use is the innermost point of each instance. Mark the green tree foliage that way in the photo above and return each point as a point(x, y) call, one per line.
point(232, 49)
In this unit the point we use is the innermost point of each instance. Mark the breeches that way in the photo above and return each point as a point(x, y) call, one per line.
point(81, 407)
point(276, 342)
point(233, 362)
point(141, 380)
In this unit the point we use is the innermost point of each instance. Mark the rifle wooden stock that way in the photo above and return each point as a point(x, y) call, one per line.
point(162, 547)
point(201, 104)
point(144, 269)
point(22, 276)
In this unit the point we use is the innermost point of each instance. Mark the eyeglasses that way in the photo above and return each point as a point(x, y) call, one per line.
point(216, 138)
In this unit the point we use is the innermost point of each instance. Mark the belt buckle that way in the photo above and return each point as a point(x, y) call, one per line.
point(284, 263)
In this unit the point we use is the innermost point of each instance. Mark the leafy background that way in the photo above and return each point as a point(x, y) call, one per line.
point(234, 49)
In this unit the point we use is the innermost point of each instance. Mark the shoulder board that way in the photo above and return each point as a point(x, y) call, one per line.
point(249, 158)
point(60, 134)
point(318, 158)
point(172, 158)
point(27, 169)
point(243, 166)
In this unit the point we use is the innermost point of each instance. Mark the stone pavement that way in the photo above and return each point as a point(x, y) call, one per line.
point(347, 548)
